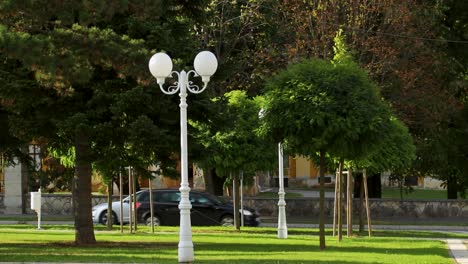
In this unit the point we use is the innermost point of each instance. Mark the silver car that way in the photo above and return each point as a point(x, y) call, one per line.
point(100, 211)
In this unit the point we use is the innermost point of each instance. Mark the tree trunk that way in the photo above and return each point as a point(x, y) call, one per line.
point(130, 200)
point(134, 185)
point(122, 184)
point(236, 200)
point(335, 204)
point(452, 188)
point(340, 201)
point(151, 204)
point(366, 194)
point(121, 198)
point(208, 177)
point(110, 216)
point(84, 229)
point(349, 203)
point(322, 200)
point(218, 183)
point(361, 201)
point(25, 175)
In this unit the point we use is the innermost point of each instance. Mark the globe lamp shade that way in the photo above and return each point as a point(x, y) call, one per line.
point(205, 65)
point(160, 66)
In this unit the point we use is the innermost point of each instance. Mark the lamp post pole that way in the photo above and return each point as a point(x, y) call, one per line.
point(160, 66)
point(282, 226)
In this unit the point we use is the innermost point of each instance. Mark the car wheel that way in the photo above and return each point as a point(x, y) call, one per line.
point(103, 218)
point(156, 220)
point(227, 220)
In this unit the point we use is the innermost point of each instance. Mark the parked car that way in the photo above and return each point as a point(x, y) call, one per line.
point(206, 209)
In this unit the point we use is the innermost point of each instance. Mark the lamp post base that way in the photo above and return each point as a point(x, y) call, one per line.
point(186, 253)
point(185, 232)
point(282, 225)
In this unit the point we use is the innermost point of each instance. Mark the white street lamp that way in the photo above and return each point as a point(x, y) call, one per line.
point(282, 226)
point(160, 66)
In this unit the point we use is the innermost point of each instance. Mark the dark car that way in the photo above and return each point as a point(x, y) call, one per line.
point(206, 209)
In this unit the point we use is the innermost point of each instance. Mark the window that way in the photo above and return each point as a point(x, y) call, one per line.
point(35, 154)
point(199, 199)
point(168, 197)
point(143, 197)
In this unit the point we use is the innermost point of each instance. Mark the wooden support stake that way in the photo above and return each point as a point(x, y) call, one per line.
point(121, 198)
point(335, 204)
point(366, 195)
point(340, 200)
point(349, 200)
point(130, 203)
point(151, 205)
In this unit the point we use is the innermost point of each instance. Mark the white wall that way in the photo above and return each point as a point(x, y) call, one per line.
point(13, 199)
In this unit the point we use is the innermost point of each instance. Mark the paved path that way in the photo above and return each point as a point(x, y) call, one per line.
point(458, 250)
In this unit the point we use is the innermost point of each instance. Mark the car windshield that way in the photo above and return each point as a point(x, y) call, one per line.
point(215, 199)
point(139, 195)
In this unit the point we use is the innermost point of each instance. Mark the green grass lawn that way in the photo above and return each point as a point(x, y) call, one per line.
point(420, 194)
point(220, 245)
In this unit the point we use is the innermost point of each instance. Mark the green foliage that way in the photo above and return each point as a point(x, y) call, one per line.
point(342, 54)
point(66, 157)
point(448, 148)
point(395, 151)
point(231, 144)
point(87, 63)
point(316, 105)
point(83, 65)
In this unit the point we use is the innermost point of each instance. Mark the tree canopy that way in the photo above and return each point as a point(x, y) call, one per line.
point(88, 66)
point(316, 105)
point(231, 143)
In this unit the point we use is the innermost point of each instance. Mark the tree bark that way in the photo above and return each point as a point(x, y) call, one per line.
point(452, 188)
point(366, 194)
point(130, 199)
point(134, 185)
point(84, 229)
point(335, 204)
point(151, 204)
point(121, 199)
point(236, 200)
point(322, 200)
point(340, 201)
point(110, 216)
point(349, 203)
point(25, 171)
point(208, 177)
point(361, 201)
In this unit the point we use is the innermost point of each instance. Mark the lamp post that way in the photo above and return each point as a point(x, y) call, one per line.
point(160, 66)
point(282, 226)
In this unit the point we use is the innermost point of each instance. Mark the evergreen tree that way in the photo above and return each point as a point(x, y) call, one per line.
point(88, 61)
